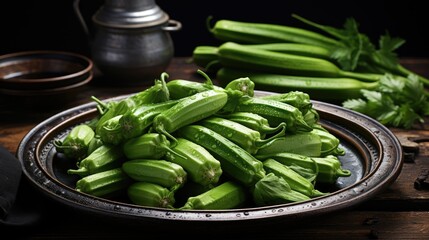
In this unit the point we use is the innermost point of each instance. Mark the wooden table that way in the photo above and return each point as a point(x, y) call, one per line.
point(399, 212)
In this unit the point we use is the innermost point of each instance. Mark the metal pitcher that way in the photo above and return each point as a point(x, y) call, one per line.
point(130, 43)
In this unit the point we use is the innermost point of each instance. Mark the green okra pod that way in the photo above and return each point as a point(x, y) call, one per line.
point(227, 195)
point(305, 143)
point(75, 145)
point(104, 184)
point(151, 195)
point(249, 139)
point(295, 180)
point(103, 158)
point(235, 161)
point(202, 167)
point(161, 172)
point(147, 146)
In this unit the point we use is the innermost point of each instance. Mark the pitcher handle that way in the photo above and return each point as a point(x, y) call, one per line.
point(173, 25)
point(80, 17)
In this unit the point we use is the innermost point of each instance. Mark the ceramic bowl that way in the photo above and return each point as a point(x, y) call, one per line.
point(42, 72)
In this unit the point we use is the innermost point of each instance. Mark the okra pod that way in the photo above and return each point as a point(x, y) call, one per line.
point(147, 146)
point(104, 158)
point(273, 190)
point(298, 99)
point(304, 165)
point(234, 55)
point(305, 143)
point(189, 110)
point(104, 184)
point(258, 33)
point(235, 161)
point(249, 139)
point(75, 145)
point(138, 121)
point(295, 180)
point(151, 195)
point(227, 195)
point(161, 172)
point(275, 112)
point(330, 169)
point(202, 167)
point(253, 121)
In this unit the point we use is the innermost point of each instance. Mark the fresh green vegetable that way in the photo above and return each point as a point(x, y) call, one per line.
point(227, 195)
point(234, 55)
point(75, 145)
point(332, 89)
point(295, 181)
point(275, 112)
point(189, 110)
point(202, 167)
point(102, 159)
point(298, 99)
point(235, 161)
point(246, 32)
point(253, 121)
point(305, 143)
point(161, 172)
point(248, 139)
point(104, 184)
point(395, 102)
point(147, 146)
point(151, 195)
point(272, 190)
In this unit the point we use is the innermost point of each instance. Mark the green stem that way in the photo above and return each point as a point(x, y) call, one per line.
point(367, 77)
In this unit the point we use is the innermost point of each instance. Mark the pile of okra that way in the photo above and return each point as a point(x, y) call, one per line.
point(185, 145)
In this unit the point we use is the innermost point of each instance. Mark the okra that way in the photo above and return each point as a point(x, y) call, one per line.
point(304, 143)
point(227, 195)
point(111, 131)
point(248, 139)
point(273, 190)
point(151, 195)
point(234, 55)
point(180, 88)
point(202, 167)
point(330, 143)
point(156, 93)
point(95, 143)
point(138, 121)
point(304, 165)
point(189, 110)
point(248, 32)
point(147, 146)
point(330, 89)
point(75, 145)
point(298, 99)
point(161, 172)
point(330, 169)
point(311, 117)
point(295, 180)
point(275, 112)
point(235, 161)
point(295, 49)
point(203, 55)
point(104, 184)
point(101, 159)
point(253, 121)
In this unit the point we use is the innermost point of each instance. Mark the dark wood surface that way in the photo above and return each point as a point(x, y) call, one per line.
point(399, 212)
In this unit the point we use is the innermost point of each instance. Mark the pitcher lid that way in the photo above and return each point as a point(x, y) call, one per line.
point(130, 14)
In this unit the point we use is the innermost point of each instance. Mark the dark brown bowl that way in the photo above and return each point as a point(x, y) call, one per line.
point(27, 73)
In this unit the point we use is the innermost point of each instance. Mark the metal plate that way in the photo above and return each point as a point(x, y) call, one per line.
point(374, 156)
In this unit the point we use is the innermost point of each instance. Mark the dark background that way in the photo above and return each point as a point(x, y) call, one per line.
point(52, 24)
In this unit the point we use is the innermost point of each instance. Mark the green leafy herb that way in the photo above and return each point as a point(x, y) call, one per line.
point(397, 101)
